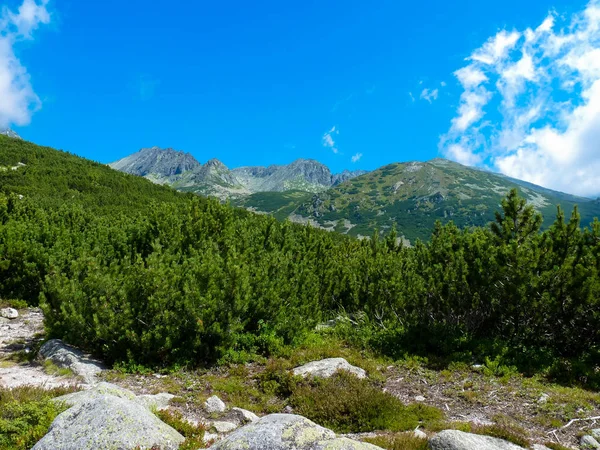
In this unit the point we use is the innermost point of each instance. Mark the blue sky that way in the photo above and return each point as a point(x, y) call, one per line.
point(353, 84)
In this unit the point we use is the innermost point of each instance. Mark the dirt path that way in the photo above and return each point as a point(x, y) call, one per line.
point(19, 338)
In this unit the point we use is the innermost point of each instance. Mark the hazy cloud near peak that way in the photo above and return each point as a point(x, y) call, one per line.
point(19, 100)
point(530, 104)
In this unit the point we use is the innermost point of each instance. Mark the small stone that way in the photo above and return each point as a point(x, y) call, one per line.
point(543, 399)
point(288, 410)
point(9, 313)
point(210, 437)
point(245, 416)
point(224, 427)
point(589, 442)
point(326, 368)
point(595, 433)
point(420, 434)
point(214, 405)
point(419, 398)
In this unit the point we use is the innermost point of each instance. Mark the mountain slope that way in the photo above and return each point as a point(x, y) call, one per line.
point(412, 196)
point(183, 172)
point(51, 178)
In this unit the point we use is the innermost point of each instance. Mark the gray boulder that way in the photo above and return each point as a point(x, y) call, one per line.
point(150, 402)
point(224, 427)
point(287, 432)
point(589, 442)
point(9, 313)
point(244, 416)
point(214, 405)
point(68, 357)
point(325, 368)
point(459, 440)
point(108, 422)
point(595, 433)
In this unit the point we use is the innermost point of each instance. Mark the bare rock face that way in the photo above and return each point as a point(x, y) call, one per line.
point(109, 422)
point(9, 313)
point(459, 440)
point(287, 432)
point(327, 367)
point(68, 357)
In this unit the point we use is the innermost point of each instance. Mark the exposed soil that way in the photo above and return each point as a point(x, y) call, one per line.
point(19, 339)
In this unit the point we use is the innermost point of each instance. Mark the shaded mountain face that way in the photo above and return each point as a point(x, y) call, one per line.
point(412, 197)
point(10, 133)
point(157, 162)
point(183, 172)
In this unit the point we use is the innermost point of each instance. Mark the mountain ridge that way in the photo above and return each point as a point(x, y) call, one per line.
point(183, 172)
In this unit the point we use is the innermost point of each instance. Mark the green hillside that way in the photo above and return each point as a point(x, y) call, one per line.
point(413, 196)
point(51, 178)
point(142, 275)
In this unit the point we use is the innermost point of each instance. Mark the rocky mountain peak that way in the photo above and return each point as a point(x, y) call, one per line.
point(157, 162)
point(10, 133)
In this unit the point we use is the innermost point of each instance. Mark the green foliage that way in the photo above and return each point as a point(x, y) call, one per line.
point(25, 415)
point(149, 278)
point(400, 441)
point(504, 432)
point(193, 434)
point(348, 404)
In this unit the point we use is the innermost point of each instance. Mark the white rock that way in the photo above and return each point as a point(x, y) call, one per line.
point(210, 437)
point(68, 357)
point(224, 427)
point(287, 432)
point(420, 434)
point(108, 422)
point(543, 398)
point(158, 402)
point(214, 405)
point(459, 440)
point(9, 313)
point(326, 368)
point(245, 416)
point(595, 433)
point(589, 442)
point(419, 398)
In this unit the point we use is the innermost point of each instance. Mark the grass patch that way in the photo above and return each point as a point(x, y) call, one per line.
point(555, 446)
point(193, 434)
point(26, 413)
point(347, 404)
point(52, 369)
point(507, 433)
point(401, 441)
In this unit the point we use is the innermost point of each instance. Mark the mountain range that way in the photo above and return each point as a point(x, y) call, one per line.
point(410, 196)
point(183, 172)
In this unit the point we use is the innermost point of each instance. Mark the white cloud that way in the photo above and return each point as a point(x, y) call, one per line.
point(496, 48)
point(357, 157)
point(543, 124)
point(328, 140)
point(429, 95)
point(18, 100)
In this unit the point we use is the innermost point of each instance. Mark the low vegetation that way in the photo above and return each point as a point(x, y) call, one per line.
point(193, 434)
point(347, 404)
point(26, 414)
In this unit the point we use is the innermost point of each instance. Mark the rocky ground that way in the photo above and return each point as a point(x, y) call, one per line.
point(20, 339)
point(545, 413)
